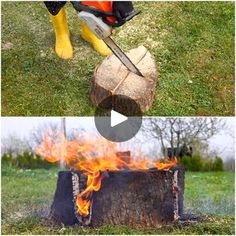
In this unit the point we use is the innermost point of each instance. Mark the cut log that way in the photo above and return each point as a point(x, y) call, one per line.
point(147, 198)
point(113, 78)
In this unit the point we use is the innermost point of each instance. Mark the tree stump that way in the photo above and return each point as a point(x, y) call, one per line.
point(148, 198)
point(112, 78)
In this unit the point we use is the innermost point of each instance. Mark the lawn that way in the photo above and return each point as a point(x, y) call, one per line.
point(192, 43)
point(27, 195)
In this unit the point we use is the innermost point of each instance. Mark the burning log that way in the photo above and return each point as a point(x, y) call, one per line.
point(112, 187)
point(112, 79)
point(137, 198)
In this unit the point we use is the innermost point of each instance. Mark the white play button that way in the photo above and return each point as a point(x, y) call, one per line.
point(117, 118)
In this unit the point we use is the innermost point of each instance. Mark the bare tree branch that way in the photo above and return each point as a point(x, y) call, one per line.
point(176, 132)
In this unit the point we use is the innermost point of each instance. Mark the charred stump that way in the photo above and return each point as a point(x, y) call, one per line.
point(112, 78)
point(149, 198)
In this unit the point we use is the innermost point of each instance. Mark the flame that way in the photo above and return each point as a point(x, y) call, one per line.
point(93, 156)
point(166, 165)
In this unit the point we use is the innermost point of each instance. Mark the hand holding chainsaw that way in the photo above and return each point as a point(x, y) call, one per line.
point(122, 10)
point(113, 13)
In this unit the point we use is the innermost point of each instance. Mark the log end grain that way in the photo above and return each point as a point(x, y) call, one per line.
point(113, 78)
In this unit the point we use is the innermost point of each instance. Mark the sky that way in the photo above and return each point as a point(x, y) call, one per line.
point(223, 142)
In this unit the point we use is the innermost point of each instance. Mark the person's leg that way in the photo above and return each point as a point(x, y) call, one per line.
point(90, 37)
point(63, 45)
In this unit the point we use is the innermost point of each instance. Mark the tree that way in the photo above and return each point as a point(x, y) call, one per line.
point(180, 132)
point(218, 164)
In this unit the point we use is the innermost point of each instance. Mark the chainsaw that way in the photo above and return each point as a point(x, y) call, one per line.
point(98, 16)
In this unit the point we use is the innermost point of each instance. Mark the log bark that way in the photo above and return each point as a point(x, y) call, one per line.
point(147, 198)
point(112, 78)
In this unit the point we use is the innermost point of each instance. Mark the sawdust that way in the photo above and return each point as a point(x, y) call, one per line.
point(7, 46)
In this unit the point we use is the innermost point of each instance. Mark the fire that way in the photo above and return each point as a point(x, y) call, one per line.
point(94, 183)
point(166, 165)
point(93, 156)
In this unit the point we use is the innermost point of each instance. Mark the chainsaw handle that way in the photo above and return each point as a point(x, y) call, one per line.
point(80, 7)
point(122, 21)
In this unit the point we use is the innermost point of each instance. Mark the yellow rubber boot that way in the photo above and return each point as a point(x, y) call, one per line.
point(63, 46)
point(97, 43)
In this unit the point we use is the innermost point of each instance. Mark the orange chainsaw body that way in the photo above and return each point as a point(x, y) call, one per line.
point(105, 6)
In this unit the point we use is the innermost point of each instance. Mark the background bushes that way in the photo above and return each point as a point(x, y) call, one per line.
point(196, 163)
point(27, 160)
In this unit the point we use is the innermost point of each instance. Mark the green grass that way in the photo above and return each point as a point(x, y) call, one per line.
point(27, 195)
point(210, 192)
point(192, 42)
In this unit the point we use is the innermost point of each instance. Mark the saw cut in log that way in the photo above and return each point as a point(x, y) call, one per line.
point(148, 198)
point(113, 78)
